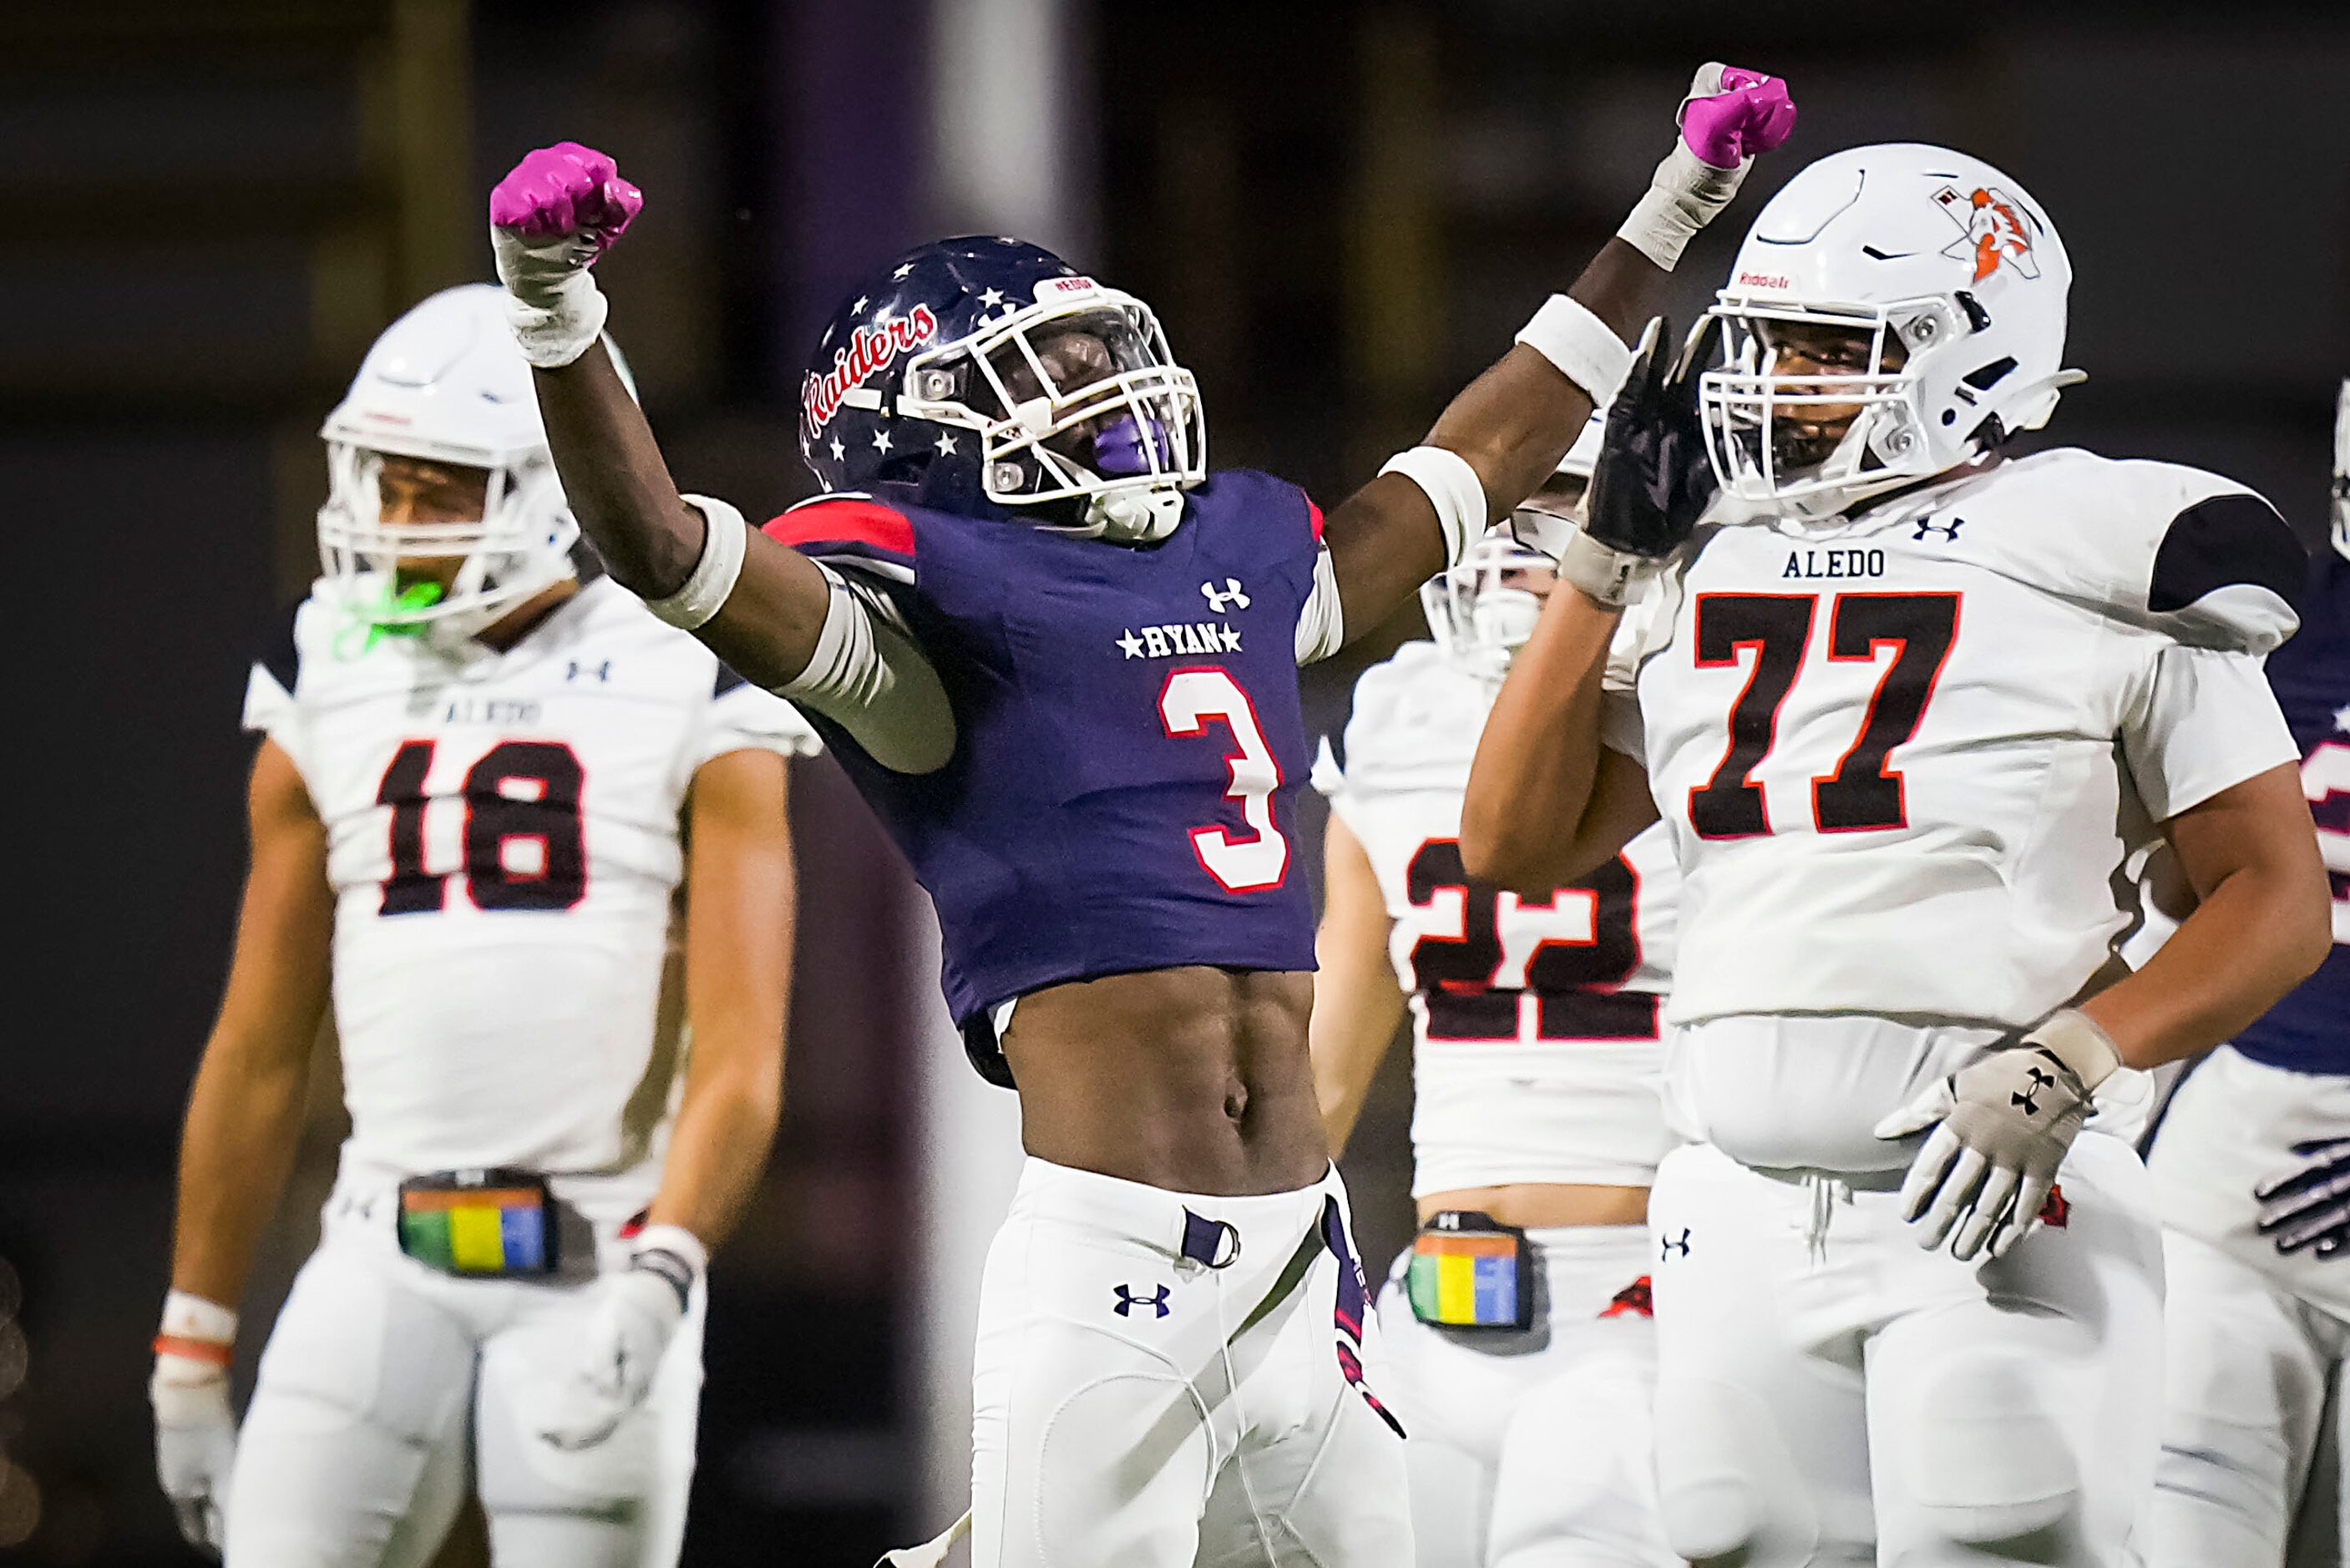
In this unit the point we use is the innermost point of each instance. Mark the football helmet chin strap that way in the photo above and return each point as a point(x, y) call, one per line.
point(1134, 516)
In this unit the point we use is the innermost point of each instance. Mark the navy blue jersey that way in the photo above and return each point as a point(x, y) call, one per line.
point(2309, 1031)
point(1129, 742)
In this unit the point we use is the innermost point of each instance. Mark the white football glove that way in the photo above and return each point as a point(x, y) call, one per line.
point(2006, 1122)
point(630, 1320)
point(195, 1431)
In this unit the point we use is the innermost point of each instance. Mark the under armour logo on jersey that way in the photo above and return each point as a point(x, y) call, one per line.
point(1949, 531)
point(602, 671)
point(1232, 597)
point(2029, 1098)
point(1127, 1300)
point(1667, 1245)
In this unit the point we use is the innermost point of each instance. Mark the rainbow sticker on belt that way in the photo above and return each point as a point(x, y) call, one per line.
point(476, 1229)
point(1468, 1275)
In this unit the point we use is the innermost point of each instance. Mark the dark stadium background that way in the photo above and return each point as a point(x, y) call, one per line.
point(208, 208)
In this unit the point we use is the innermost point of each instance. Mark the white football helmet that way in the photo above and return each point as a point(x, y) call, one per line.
point(445, 383)
point(2342, 469)
point(1902, 242)
point(1481, 612)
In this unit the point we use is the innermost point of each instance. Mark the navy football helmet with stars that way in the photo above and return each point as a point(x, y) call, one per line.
point(983, 370)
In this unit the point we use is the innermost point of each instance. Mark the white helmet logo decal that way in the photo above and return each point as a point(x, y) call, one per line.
point(1990, 231)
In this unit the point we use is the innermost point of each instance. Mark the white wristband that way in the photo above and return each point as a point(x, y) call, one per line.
point(725, 538)
point(1685, 195)
point(187, 1317)
point(1452, 487)
point(554, 334)
point(1608, 576)
point(1585, 349)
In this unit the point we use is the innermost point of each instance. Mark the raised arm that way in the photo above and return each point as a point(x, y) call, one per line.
point(244, 1118)
point(1546, 800)
point(777, 618)
point(1357, 1006)
point(1504, 434)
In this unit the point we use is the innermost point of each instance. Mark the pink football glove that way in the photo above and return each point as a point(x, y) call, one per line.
point(565, 191)
point(1733, 113)
point(553, 215)
point(1730, 115)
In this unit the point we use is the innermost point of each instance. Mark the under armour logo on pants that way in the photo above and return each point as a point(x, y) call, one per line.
point(1127, 1300)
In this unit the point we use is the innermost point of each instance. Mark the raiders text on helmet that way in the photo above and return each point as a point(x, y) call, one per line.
point(986, 370)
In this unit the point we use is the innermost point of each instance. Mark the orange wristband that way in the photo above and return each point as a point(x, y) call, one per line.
point(210, 1350)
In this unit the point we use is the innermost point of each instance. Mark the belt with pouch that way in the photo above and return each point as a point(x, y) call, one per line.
point(1470, 1270)
point(481, 1224)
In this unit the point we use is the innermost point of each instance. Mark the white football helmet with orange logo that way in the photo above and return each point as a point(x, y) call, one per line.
point(444, 383)
point(1901, 243)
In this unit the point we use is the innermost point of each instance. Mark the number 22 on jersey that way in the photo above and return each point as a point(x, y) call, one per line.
point(1862, 791)
point(525, 846)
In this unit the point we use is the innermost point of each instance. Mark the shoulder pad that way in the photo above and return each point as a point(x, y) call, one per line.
point(847, 529)
point(280, 649)
point(2176, 550)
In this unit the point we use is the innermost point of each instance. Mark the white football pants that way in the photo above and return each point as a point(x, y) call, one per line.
point(1136, 1407)
point(389, 1389)
point(2256, 1341)
point(1829, 1393)
point(1531, 1449)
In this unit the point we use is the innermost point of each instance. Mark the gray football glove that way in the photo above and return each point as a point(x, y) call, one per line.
point(2002, 1126)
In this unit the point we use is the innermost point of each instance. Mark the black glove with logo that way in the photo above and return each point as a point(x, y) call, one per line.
point(1653, 480)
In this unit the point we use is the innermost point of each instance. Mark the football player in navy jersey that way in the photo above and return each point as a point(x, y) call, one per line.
point(2252, 1162)
point(1059, 657)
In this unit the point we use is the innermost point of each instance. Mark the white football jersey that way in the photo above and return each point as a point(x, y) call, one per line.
point(1534, 1034)
point(1905, 757)
point(503, 842)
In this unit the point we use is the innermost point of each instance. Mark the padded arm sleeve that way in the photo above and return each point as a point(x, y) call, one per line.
point(869, 676)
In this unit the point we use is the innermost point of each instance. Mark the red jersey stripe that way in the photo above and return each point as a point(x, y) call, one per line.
point(845, 522)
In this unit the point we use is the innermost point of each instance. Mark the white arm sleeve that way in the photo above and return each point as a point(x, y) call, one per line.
point(1321, 623)
point(2204, 722)
point(868, 676)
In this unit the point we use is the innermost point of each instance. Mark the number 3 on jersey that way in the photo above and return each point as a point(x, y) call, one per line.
point(1191, 697)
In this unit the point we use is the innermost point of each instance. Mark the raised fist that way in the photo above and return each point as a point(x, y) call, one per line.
point(1730, 115)
point(567, 193)
point(551, 217)
point(1733, 113)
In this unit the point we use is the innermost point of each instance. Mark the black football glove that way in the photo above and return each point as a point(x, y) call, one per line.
point(1653, 479)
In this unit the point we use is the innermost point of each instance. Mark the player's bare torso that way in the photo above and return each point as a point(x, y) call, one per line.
point(1192, 1079)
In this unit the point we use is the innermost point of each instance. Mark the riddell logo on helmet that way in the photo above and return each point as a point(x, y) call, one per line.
point(1991, 230)
point(1762, 280)
point(1058, 287)
point(867, 350)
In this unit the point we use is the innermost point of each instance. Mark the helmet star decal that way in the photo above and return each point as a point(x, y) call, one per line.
point(1991, 230)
